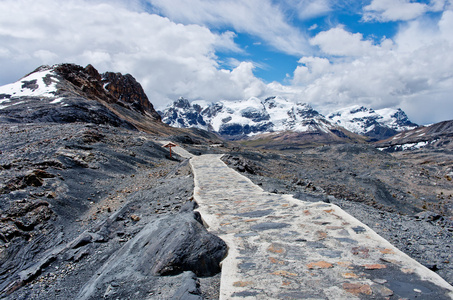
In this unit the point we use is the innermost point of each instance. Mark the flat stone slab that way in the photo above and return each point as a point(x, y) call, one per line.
point(284, 248)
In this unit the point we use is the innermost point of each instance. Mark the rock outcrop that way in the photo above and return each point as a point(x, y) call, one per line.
point(169, 245)
point(110, 87)
point(67, 93)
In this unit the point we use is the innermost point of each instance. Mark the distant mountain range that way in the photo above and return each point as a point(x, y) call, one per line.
point(248, 118)
point(376, 124)
point(70, 93)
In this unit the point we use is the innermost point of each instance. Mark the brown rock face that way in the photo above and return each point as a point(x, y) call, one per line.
point(128, 91)
point(87, 81)
point(109, 87)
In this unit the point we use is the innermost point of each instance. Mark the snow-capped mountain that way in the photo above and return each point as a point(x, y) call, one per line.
point(246, 118)
point(182, 114)
point(71, 93)
point(376, 124)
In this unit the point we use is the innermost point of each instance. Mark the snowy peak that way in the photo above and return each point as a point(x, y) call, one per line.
point(376, 124)
point(65, 93)
point(246, 118)
point(238, 118)
point(184, 115)
point(182, 103)
point(56, 84)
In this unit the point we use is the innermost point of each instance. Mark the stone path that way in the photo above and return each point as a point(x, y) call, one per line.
point(284, 248)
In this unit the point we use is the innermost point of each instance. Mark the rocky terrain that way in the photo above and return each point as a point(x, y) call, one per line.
point(435, 136)
point(88, 201)
point(74, 196)
point(92, 206)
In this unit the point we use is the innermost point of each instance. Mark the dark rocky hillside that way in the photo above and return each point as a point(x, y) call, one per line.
point(76, 196)
point(436, 136)
point(82, 180)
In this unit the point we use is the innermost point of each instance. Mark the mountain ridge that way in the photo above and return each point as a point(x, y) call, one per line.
point(376, 124)
point(66, 92)
point(57, 85)
point(438, 135)
point(244, 119)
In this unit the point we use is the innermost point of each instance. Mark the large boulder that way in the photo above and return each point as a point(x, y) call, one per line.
point(170, 245)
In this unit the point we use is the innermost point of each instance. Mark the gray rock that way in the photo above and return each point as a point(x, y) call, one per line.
point(184, 246)
point(189, 289)
point(169, 245)
point(428, 215)
point(268, 226)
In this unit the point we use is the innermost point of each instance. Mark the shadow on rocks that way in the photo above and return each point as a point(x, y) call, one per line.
point(169, 245)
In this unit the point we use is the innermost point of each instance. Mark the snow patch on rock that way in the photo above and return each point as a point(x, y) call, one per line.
point(40, 84)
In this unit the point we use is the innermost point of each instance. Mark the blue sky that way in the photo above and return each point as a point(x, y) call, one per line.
point(329, 53)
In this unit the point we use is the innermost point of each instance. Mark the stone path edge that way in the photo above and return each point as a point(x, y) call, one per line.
point(227, 265)
point(230, 261)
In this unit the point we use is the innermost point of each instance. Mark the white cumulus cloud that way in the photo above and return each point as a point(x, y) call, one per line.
point(399, 10)
point(338, 41)
point(414, 71)
point(261, 18)
point(169, 59)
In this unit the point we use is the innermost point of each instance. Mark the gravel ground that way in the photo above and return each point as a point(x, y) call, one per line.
point(94, 184)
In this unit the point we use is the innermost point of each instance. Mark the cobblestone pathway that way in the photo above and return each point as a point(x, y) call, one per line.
point(284, 248)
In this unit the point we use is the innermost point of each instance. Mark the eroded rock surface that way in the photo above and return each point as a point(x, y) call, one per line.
point(169, 245)
point(74, 195)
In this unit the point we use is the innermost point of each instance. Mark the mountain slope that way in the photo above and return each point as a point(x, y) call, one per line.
point(376, 124)
point(70, 93)
point(439, 135)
